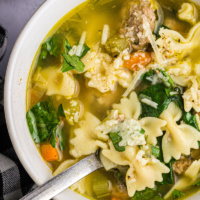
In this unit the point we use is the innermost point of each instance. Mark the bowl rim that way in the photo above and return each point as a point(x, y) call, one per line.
point(8, 85)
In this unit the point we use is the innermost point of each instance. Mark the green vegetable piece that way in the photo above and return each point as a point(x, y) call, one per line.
point(168, 179)
point(145, 194)
point(42, 120)
point(51, 50)
point(53, 139)
point(54, 45)
point(157, 198)
point(115, 140)
point(177, 194)
point(66, 67)
point(155, 151)
point(74, 61)
point(197, 183)
point(190, 119)
point(158, 94)
point(100, 185)
point(149, 76)
point(61, 112)
point(67, 46)
point(60, 135)
point(142, 131)
point(115, 45)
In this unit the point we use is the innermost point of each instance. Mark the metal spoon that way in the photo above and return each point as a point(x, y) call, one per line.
point(65, 179)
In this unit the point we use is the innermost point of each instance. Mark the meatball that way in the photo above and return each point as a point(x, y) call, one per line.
point(132, 23)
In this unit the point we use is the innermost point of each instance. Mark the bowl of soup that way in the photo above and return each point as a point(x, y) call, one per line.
point(117, 78)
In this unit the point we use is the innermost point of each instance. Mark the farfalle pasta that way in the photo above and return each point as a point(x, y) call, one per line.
point(121, 80)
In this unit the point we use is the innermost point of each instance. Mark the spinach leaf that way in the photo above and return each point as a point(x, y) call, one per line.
point(51, 50)
point(53, 138)
point(177, 194)
point(190, 119)
point(72, 62)
point(155, 151)
point(146, 195)
point(42, 120)
point(66, 67)
point(168, 179)
point(60, 135)
point(158, 76)
point(158, 94)
point(115, 140)
point(67, 46)
point(197, 183)
point(61, 112)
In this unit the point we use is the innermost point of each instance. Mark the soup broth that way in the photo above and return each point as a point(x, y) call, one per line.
point(101, 82)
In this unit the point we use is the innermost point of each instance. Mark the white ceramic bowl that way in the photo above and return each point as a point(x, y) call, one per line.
point(15, 90)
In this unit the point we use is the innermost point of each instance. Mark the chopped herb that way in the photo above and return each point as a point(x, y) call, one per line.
point(177, 194)
point(190, 119)
point(155, 151)
point(142, 131)
point(61, 112)
point(115, 140)
point(197, 183)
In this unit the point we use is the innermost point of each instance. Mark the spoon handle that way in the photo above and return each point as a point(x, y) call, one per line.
point(65, 179)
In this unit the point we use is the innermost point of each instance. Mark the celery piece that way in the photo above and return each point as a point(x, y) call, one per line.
point(100, 186)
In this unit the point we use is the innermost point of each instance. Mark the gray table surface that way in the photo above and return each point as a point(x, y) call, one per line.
point(14, 14)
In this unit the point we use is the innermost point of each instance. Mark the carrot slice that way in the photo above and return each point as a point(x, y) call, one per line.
point(138, 60)
point(49, 153)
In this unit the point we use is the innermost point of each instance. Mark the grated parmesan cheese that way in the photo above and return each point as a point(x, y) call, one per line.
point(151, 38)
point(150, 103)
point(105, 34)
point(81, 43)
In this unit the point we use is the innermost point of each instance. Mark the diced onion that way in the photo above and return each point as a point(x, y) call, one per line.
point(150, 103)
point(105, 34)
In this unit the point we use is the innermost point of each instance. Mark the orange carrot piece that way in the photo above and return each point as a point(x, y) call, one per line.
point(138, 60)
point(49, 153)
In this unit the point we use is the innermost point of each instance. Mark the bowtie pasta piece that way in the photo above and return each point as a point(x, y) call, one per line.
point(178, 139)
point(130, 107)
point(192, 97)
point(86, 140)
point(188, 13)
point(152, 127)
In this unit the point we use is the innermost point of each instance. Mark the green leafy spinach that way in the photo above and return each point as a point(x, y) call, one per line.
point(116, 138)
